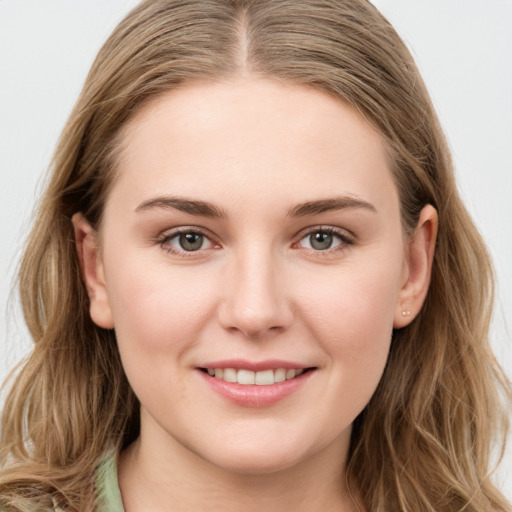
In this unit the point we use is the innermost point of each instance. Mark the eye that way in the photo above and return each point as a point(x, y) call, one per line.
point(186, 241)
point(324, 239)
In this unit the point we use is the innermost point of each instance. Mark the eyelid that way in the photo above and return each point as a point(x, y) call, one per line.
point(341, 232)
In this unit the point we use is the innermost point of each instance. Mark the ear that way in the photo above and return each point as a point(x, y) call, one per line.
point(89, 255)
point(418, 268)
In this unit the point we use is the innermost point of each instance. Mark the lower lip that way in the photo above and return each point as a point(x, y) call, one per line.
point(254, 395)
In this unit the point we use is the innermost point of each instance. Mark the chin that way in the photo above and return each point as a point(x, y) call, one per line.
point(252, 455)
point(256, 462)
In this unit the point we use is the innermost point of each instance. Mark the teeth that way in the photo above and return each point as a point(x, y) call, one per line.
point(280, 375)
point(245, 377)
point(229, 375)
point(265, 378)
point(248, 377)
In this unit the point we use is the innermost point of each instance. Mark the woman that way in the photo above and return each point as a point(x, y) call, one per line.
point(251, 281)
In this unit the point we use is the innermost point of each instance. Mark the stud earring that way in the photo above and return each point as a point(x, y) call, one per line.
point(407, 312)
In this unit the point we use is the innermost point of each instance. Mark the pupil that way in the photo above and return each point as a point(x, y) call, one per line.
point(321, 240)
point(191, 241)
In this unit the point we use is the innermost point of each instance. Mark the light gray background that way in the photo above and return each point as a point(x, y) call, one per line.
point(463, 48)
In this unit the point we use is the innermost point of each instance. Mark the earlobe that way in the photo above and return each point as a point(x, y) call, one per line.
point(419, 260)
point(89, 256)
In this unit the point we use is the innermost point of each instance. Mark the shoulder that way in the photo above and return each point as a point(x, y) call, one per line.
point(106, 487)
point(108, 495)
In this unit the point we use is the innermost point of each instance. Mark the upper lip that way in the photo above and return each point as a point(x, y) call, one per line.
point(255, 366)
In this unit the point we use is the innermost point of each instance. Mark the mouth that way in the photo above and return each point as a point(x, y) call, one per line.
point(246, 377)
point(255, 383)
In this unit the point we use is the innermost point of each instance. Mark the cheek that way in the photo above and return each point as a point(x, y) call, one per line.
point(356, 298)
point(156, 311)
point(158, 316)
point(351, 313)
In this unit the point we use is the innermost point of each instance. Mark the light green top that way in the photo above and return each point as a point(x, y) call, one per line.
point(107, 487)
point(108, 495)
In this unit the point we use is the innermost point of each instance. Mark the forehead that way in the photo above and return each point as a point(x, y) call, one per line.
point(254, 136)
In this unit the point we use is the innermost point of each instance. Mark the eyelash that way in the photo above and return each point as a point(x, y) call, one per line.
point(345, 238)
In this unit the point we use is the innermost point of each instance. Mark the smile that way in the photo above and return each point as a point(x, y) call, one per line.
point(258, 378)
point(249, 383)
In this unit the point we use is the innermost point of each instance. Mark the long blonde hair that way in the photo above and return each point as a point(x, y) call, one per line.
point(423, 442)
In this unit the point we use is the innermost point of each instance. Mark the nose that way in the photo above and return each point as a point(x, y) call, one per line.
point(255, 301)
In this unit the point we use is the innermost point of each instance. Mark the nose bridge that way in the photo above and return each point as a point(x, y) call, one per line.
point(255, 299)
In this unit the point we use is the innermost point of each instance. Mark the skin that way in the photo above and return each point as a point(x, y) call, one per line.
point(257, 290)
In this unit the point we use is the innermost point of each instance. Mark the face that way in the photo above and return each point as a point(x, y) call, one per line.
point(253, 233)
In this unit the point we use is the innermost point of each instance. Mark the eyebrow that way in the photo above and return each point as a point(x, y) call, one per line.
point(205, 209)
point(192, 207)
point(329, 205)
